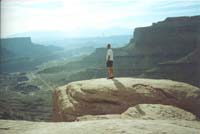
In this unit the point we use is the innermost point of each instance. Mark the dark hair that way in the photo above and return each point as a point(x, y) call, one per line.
point(109, 45)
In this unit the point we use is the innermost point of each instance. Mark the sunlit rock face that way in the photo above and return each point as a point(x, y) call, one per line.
point(102, 96)
point(146, 112)
point(112, 126)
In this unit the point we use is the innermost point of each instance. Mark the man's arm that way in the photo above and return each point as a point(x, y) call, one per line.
point(108, 57)
point(109, 53)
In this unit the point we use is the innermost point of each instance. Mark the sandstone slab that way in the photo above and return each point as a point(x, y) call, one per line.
point(113, 126)
point(102, 96)
point(148, 112)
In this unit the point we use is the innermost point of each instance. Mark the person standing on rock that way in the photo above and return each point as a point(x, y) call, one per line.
point(109, 62)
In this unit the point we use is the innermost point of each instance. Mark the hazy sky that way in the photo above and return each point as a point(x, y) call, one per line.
point(73, 16)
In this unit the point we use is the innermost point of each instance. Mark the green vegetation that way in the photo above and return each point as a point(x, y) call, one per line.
point(27, 100)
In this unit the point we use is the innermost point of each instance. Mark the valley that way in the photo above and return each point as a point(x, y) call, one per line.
point(28, 78)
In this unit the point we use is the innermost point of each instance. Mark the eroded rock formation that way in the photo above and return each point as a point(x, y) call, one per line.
point(147, 112)
point(102, 96)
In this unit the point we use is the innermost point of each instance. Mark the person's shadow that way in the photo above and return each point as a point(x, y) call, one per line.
point(118, 84)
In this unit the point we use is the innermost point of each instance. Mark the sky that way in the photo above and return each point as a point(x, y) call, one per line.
point(79, 16)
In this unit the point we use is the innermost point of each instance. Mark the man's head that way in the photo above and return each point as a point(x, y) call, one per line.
point(108, 46)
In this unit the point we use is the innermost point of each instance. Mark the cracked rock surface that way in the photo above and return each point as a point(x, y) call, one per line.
point(112, 126)
point(102, 96)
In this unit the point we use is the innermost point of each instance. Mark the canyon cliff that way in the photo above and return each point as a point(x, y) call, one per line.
point(158, 50)
point(169, 49)
point(20, 54)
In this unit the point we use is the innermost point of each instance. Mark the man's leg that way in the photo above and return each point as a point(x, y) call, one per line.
point(111, 72)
